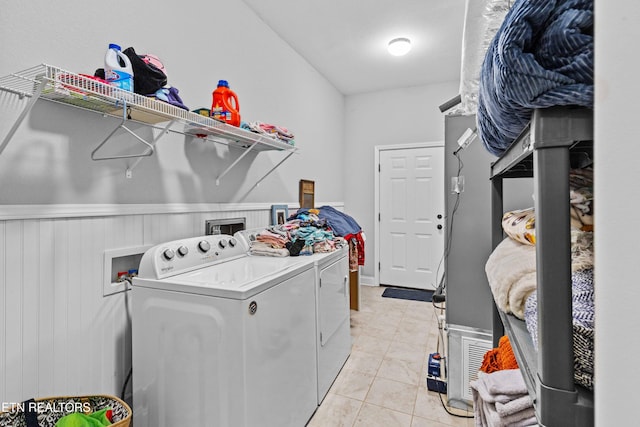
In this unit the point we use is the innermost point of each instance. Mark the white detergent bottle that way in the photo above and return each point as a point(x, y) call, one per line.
point(117, 68)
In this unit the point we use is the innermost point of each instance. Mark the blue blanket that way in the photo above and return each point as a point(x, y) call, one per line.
point(341, 223)
point(541, 56)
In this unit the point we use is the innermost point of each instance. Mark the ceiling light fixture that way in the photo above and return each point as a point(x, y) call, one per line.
point(400, 46)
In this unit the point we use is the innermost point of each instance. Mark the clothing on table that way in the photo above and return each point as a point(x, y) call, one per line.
point(307, 232)
point(359, 243)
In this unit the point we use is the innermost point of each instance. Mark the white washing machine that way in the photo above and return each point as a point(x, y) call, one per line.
point(221, 338)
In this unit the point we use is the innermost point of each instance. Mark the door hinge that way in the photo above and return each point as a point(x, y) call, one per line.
point(379, 169)
point(320, 283)
point(378, 216)
point(379, 268)
point(320, 336)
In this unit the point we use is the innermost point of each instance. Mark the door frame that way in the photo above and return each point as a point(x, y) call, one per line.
point(376, 234)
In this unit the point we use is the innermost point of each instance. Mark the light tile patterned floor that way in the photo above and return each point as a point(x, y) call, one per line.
point(383, 384)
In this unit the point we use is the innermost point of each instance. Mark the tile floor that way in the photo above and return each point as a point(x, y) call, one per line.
point(383, 383)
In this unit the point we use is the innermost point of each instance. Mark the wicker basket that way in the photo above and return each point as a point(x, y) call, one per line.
point(50, 409)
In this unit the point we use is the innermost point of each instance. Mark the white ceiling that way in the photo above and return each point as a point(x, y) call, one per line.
point(345, 40)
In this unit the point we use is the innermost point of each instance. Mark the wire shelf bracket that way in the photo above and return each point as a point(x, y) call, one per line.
point(271, 170)
point(247, 151)
point(34, 97)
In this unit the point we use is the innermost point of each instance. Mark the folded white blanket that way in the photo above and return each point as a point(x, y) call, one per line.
point(511, 272)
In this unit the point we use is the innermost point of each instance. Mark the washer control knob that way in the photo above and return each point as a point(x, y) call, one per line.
point(222, 244)
point(168, 254)
point(232, 242)
point(183, 250)
point(204, 246)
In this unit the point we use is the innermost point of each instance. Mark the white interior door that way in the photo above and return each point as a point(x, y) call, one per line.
point(411, 216)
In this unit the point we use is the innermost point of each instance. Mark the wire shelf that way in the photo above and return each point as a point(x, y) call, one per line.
point(86, 92)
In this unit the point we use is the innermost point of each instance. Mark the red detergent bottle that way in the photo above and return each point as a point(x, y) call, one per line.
point(225, 106)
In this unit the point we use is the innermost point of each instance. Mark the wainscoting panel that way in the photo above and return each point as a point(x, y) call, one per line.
point(58, 334)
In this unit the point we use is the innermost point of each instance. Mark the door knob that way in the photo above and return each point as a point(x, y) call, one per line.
point(439, 226)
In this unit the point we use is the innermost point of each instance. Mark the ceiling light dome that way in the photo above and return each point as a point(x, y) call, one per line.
point(399, 46)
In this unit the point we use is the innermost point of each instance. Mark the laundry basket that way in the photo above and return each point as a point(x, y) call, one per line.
point(47, 411)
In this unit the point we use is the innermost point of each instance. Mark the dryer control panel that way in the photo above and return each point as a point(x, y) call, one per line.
point(180, 256)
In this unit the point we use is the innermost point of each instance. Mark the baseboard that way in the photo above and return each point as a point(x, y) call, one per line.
point(367, 280)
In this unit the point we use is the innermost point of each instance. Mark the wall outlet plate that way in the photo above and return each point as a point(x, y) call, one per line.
point(116, 260)
point(457, 184)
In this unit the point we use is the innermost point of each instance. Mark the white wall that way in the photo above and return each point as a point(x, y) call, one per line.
point(399, 116)
point(59, 211)
point(48, 159)
point(617, 371)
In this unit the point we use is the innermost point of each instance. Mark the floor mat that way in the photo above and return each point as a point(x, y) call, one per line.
point(410, 294)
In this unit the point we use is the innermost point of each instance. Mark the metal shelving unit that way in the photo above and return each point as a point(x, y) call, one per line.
point(81, 91)
point(556, 140)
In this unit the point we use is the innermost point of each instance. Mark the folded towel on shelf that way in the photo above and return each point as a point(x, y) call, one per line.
point(279, 132)
point(506, 382)
point(523, 418)
point(513, 406)
point(500, 399)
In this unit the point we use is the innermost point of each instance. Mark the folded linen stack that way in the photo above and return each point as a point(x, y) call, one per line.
point(501, 399)
point(270, 236)
point(281, 133)
point(265, 249)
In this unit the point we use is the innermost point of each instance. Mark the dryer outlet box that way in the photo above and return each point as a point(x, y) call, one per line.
point(224, 226)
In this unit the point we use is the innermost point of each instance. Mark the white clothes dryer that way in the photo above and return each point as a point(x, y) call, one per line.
point(332, 310)
point(333, 316)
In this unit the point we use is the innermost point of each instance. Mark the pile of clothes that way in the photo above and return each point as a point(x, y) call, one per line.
point(295, 237)
point(311, 231)
point(278, 132)
point(500, 396)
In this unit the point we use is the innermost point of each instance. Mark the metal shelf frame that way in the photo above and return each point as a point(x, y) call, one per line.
point(81, 91)
point(556, 139)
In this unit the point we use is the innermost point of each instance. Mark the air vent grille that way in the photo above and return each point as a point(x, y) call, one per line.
point(473, 352)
